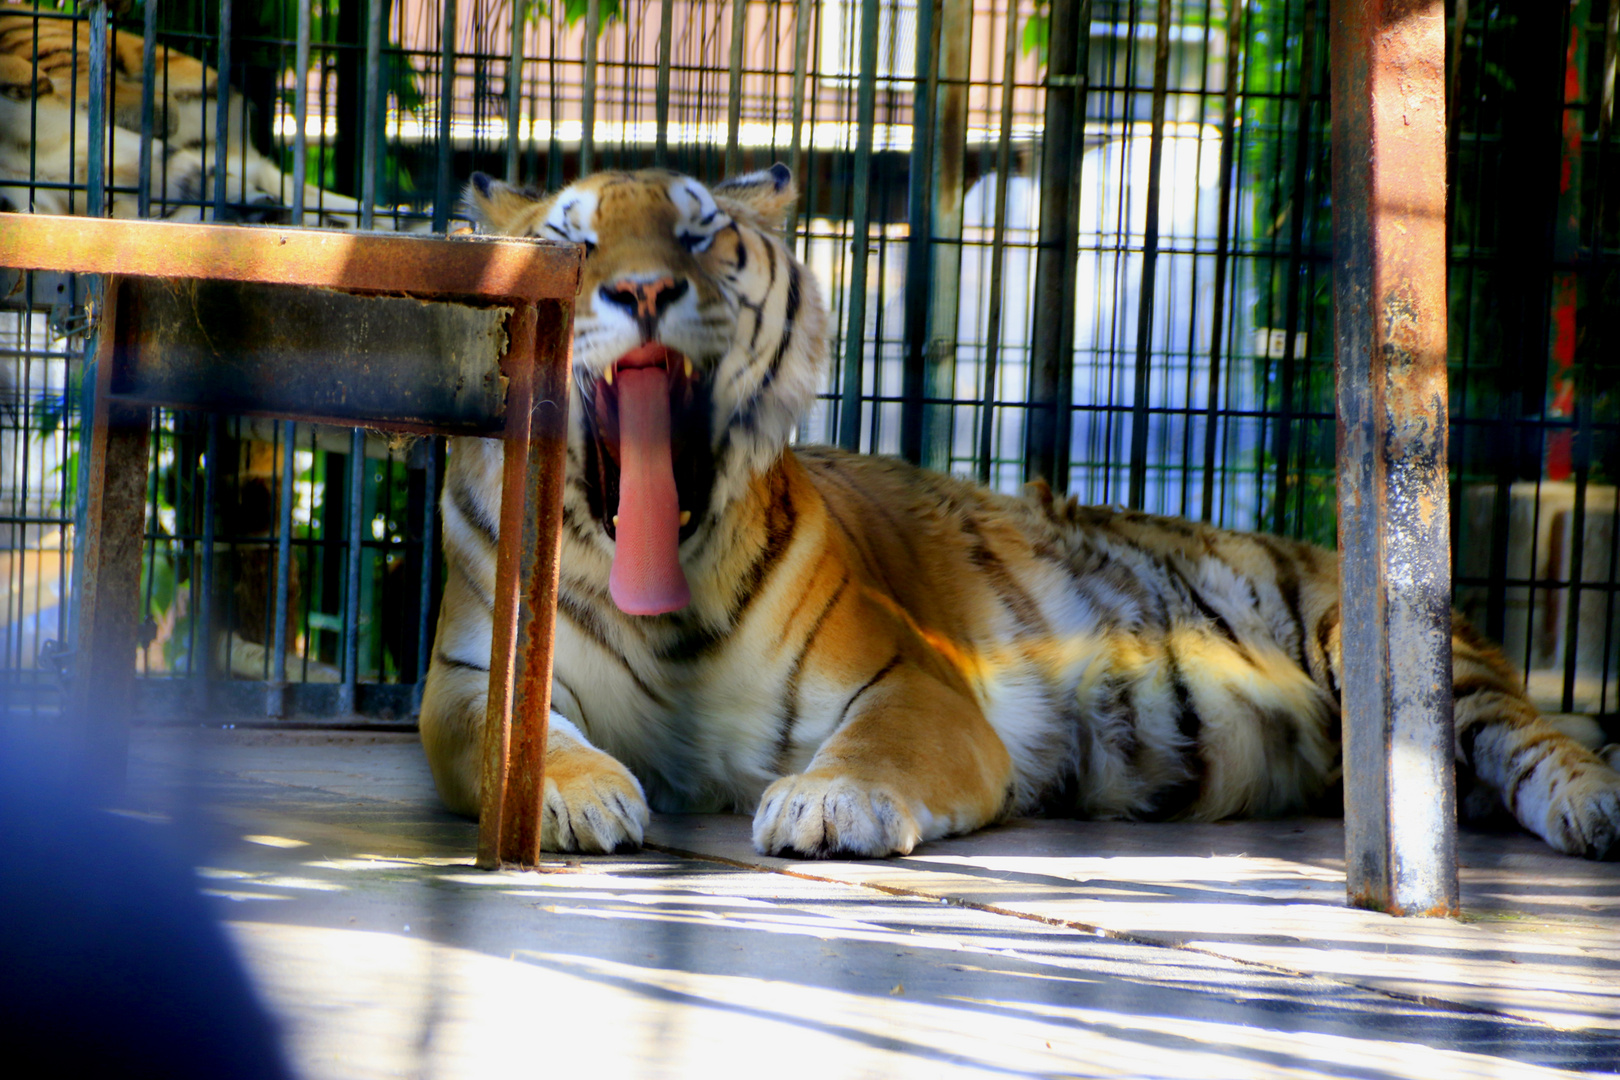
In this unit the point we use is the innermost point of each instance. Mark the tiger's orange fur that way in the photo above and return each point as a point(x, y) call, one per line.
point(874, 656)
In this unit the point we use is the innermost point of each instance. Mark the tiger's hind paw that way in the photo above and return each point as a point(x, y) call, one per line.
point(1584, 817)
point(822, 817)
point(592, 804)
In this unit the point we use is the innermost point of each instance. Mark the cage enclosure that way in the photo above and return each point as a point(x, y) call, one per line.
point(1085, 242)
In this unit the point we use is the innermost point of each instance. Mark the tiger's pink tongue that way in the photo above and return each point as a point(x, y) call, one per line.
point(647, 578)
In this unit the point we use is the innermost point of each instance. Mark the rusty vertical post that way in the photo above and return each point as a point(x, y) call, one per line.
point(527, 561)
point(108, 584)
point(1389, 205)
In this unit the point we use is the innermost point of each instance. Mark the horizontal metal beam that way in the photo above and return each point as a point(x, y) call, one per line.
point(485, 269)
point(390, 362)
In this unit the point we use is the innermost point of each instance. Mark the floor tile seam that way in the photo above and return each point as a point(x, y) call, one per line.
point(1425, 1000)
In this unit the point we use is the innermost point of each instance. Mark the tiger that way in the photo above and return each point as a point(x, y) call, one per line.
point(44, 144)
point(864, 655)
point(45, 155)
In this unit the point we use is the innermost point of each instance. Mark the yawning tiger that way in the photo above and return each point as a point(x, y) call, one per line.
point(865, 655)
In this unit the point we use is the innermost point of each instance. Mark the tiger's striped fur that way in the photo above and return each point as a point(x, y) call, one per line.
point(873, 655)
point(44, 131)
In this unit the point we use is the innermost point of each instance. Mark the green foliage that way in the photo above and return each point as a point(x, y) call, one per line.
point(573, 11)
point(1038, 31)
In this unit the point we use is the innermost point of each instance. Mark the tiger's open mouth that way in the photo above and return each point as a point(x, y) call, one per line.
point(649, 472)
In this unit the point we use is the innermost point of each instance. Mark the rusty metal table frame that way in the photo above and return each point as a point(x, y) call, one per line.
point(1389, 267)
point(537, 280)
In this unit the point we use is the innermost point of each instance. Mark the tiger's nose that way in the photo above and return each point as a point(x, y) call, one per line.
point(644, 301)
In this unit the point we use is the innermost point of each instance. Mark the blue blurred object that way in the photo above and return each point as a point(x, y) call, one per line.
point(111, 963)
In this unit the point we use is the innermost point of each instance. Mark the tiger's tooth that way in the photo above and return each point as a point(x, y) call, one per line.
point(607, 376)
point(688, 375)
point(686, 515)
point(615, 521)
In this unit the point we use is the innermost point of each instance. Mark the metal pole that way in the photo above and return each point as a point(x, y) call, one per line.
point(373, 113)
point(210, 487)
point(801, 61)
point(514, 95)
point(1137, 495)
point(1217, 327)
point(1051, 371)
point(587, 121)
point(143, 198)
point(849, 416)
point(919, 241)
point(96, 159)
point(1389, 279)
point(739, 20)
point(954, 72)
point(666, 32)
point(276, 695)
point(95, 173)
point(222, 109)
point(1296, 240)
point(430, 565)
point(351, 591)
point(447, 99)
point(301, 113)
point(998, 247)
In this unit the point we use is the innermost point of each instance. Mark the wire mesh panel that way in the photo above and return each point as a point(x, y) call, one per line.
point(1082, 241)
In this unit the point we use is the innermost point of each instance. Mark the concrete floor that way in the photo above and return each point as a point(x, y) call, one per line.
point(1040, 948)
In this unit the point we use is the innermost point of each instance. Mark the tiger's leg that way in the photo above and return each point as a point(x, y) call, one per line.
point(1552, 785)
point(914, 760)
point(592, 802)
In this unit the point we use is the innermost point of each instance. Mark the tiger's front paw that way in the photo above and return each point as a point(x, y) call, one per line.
point(592, 803)
point(821, 816)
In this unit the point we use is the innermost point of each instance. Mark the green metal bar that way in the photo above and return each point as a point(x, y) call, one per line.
point(739, 28)
point(222, 110)
point(666, 34)
point(1150, 267)
point(1217, 328)
point(587, 133)
point(919, 239)
point(998, 247)
point(801, 60)
point(849, 416)
point(300, 111)
point(514, 94)
point(447, 99)
point(954, 72)
point(374, 113)
point(1046, 451)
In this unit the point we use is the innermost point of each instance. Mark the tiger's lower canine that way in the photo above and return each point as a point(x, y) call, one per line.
point(866, 655)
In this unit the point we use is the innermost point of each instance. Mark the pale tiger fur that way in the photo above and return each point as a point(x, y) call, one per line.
point(876, 656)
point(45, 140)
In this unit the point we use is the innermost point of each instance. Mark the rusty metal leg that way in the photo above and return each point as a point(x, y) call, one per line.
point(108, 588)
point(527, 561)
point(1389, 111)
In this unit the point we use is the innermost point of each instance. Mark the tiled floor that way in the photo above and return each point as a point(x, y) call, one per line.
point(1040, 948)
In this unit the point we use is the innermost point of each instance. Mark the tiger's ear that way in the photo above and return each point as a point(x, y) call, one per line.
point(766, 196)
point(500, 208)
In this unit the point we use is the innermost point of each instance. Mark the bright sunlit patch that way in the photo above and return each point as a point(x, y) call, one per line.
point(241, 895)
point(310, 884)
point(147, 816)
point(276, 841)
point(1176, 869)
point(361, 864)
